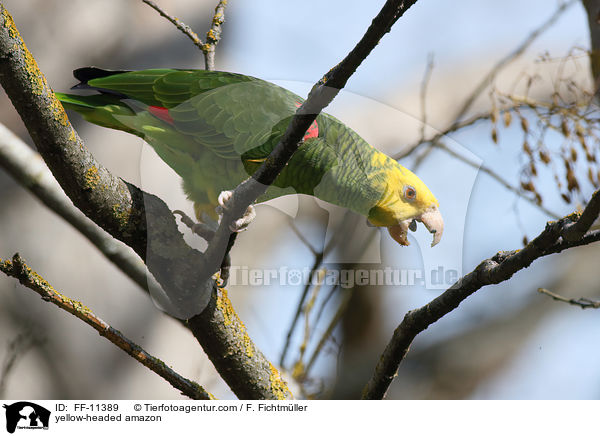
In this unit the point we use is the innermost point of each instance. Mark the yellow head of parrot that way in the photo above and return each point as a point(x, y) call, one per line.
point(406, 199)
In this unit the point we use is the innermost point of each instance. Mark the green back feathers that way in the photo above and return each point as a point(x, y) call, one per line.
point(226, 124)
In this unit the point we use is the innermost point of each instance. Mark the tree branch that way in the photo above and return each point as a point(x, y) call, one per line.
point(495, 270)
point(582, 302)
point(423, 95)
point(592, 8)
point(582, 224)
point(17, 348)
point(245, 369)
point(497, 177)
point(18, 269)
point(509, 58)
point(288, 339)
point(213, 36)
point(184, 28)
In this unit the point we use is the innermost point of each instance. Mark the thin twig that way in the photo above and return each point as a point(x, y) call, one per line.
point(325, 301)
point(319, 256)
point(18, 269)
point(213, 36)
point(509, 58)
point(495, 270)
point(316, 264)
point(584, 303)
point(496, 177)
point(489, 78)
point(437, 140)
point(187, 30)
point(576, 230)
point(15, 350)
point(484, 116)
point(339, 314)
point(299, 370)
point(302, 238)
point(424, 87)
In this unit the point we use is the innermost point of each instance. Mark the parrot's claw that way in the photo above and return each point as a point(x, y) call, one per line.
point(198, 228)
point(241, 224)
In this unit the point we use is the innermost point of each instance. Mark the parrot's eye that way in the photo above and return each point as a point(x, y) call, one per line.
point(410, 193)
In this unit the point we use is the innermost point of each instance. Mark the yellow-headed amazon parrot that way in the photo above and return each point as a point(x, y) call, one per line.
point(216, 128)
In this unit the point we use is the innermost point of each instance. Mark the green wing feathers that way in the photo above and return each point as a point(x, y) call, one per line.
point(216, 128)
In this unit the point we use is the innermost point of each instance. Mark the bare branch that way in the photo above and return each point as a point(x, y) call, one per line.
point(495, 270)
point(299, 370)
point(509, 58)
point(213, 36)
point(28, 168)
point(592, 8)
point(583, 223)
point(424, 86)
point(485, 169)
point(18, 269)
point(316, 264)
point(225, 338)
point(184, 28)
point(16, 349)
point(488, 80)
point(339, 314)
point(584, 303)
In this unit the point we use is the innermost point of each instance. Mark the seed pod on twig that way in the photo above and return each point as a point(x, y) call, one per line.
point(524, 125)
point(507, 118)
point(532, 168)
point(564, 127)
point(544, 156)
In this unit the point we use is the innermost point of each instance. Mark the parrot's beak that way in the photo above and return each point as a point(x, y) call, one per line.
point(431, 218)
point(398, 232)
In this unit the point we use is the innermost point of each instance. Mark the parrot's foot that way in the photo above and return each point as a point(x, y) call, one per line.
point(241, 224)
point(206, 232)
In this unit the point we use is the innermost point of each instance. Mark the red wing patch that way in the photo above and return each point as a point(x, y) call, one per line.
point(313, 130)
point(161, 113)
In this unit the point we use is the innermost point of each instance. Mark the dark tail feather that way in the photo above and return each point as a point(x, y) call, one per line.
point(86, 74)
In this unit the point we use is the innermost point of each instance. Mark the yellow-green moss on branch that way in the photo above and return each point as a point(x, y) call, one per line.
point(18, 269)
